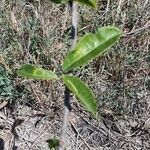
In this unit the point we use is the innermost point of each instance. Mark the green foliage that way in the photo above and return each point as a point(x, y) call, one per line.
point(91, 3)
point(5, 83)
point(91, 46)
point(53, 143)
point(33, 72)
point(87, 48)
point(82, 91)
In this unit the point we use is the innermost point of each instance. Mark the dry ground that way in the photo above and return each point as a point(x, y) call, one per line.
point(38, 32)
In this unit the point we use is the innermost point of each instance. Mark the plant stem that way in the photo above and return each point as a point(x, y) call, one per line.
point(67, 106)
point(74, 10)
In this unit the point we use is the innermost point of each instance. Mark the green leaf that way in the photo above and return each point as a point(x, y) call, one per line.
point(82, 92)
point(53, 143)
point(91, 3)
point(33, 72)
point(91, 46)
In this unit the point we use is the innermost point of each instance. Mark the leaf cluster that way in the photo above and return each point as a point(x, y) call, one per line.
point(87, 48)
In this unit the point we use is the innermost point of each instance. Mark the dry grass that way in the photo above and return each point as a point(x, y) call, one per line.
point(38, 33)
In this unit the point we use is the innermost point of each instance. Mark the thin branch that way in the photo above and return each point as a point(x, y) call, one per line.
point(67, 106)
point(74, 9)
point(74, 128)
point(137, 30)
point(67, 109)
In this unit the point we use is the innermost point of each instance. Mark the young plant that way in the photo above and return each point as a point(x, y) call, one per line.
point(87, 48)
